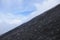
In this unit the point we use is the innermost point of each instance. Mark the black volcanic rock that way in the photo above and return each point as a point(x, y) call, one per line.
point(43, 27)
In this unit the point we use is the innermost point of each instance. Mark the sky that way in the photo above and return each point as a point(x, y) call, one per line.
point(16, 12)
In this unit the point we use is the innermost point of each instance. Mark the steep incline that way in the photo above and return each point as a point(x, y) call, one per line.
point(43, 27)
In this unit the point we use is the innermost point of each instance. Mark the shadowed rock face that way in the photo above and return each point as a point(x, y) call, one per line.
point(43, 27)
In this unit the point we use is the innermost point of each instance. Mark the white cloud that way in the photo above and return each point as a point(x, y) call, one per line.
point(9, 21)
point(46, 5)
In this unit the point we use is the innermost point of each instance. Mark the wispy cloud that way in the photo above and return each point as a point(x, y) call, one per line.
point(46, 5)
point(13, 14)
point(9, 21)
point(42, 7)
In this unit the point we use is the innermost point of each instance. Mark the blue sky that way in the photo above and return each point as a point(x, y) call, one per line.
point(17, 12)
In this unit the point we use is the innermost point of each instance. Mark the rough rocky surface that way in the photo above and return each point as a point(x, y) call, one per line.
point(43, 27)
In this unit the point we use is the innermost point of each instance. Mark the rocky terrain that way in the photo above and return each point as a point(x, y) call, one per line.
point(43, 27)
